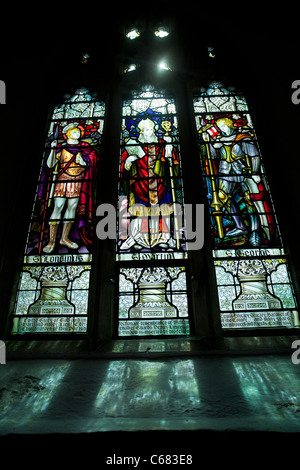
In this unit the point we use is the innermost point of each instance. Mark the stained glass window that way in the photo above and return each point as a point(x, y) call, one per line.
point(152, 297)
point(253, 279)
point(153, 301)
point(54, 283)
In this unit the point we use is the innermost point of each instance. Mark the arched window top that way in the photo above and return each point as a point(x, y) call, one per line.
point(217, 98)
point(217, 88)
point(150, 100)
point(80, 104)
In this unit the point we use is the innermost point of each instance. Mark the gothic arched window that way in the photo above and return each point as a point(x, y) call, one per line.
point(252, 273)
point(151, 248)
point(53, 288)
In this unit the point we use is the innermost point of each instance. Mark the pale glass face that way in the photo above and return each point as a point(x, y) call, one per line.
point(148, 132)
point(75, 134)
point(225, 129)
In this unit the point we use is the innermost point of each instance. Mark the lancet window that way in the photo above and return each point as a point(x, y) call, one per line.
point(252, 272)
point(53, 288)
point(151, 246)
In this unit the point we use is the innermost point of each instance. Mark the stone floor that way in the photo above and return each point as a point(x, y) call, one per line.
point(259, 392)
point(119, 391)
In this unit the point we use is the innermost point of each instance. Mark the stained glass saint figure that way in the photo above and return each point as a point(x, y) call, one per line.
point(252, 272)
point(240, 205)
point(149, 164)
point(152, 298)
point(53, 288)
point(70, 172)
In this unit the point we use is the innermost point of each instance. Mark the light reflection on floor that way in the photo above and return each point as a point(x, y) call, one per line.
point(270, 389)
point(26, 395)
point(216, 392)
point(152, 388)
point(150, 345)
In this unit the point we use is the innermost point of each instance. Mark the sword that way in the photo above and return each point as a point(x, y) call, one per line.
point(47, 203)
point(55, 171)
point(216, 203)
point(176, 225)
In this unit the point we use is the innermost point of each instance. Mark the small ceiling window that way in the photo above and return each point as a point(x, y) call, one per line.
point(161, 31)
point(163, 65)
point(85, 58)
point(133, 32)
point(130, 68)
point(211, 52)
